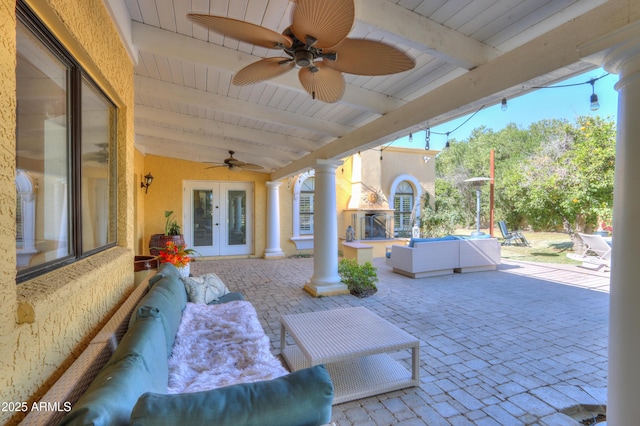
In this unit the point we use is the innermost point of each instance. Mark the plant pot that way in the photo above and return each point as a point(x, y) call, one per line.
point(143, 263)
point(159, 241)
point(185, 270)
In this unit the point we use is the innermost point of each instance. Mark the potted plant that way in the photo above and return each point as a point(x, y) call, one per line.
point(178, 255)
point(171, 233)
point(360, 279)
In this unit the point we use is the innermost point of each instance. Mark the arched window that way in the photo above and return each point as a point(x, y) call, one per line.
point(307, 190)
point(303, 197)
point(403, 206)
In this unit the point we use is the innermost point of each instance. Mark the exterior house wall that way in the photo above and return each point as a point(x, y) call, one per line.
point(139, 198)
point(343, 194)
point(372, 174)
point(169, 175)
point(47, 321)
point(403, 161)
point(166, 193)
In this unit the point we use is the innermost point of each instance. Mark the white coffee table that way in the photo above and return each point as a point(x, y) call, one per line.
point(354, 345)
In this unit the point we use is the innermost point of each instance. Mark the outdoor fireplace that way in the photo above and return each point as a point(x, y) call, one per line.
point(370, 224)
point(368, 211)
point(374, 226)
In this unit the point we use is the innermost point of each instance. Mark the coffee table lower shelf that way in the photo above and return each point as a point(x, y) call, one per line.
point(358, 377)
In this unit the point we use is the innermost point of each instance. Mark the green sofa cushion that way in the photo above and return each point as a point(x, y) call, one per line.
point(229, 297)
point(301, 398)
point(145, 338)
point(168, 298)
point(168, 270)
point(131, 371)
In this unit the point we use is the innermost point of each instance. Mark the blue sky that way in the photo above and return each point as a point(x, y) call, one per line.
point(565, 102)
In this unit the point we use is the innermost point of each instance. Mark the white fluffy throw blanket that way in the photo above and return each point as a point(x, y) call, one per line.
point(220, 345)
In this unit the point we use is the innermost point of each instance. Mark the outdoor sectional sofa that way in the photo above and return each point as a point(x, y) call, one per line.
point(427, 257)
point(131, 388)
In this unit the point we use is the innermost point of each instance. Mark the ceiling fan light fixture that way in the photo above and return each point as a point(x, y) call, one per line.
point(303, 58)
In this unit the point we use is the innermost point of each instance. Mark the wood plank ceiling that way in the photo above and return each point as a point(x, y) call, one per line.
point(186, 106)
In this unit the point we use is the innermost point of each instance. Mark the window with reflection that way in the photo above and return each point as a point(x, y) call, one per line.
point(403, 206)
point(65, 155)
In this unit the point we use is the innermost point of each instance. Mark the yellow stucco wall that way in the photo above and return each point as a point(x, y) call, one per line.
point(138, 201)
point(166, 193)
point(343, 195)
point(397, 164)
point(46, 322)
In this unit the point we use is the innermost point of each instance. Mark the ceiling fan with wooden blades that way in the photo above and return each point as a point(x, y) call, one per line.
point(234, 164)
point(101, 156)
point(316, 43)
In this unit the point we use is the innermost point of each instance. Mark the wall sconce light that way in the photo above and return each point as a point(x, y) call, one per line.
point(148, 178)
point(426, 159)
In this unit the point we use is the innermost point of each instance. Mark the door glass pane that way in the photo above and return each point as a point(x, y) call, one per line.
point(42, 148)
point(237, 216)
point(202, 217)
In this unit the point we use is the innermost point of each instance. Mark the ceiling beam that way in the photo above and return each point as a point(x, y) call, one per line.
point(418, 32)
point(188, 146)
point(176, 93)
point(546, 54)
point(266, 143)
point(169, 44)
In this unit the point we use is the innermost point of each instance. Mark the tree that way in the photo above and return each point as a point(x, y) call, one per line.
point(440, 219)
point(553, 173)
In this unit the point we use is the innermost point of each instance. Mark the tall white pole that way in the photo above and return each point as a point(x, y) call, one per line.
point(624, 315)
point(325, 280)
point(273, 249)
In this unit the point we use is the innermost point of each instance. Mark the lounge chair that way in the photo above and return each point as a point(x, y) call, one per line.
point(597, 254)
point(513, 237)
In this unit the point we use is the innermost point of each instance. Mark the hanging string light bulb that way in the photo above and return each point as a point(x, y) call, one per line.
point(595, 105)
point(427, 138)
point(504, 106)
point(410, 137)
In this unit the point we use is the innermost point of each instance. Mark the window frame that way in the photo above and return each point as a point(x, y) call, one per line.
point(76, 75)
point(304, 192)
point(399, 198)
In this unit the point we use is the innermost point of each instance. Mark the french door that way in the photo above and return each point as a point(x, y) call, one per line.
point(218, 217)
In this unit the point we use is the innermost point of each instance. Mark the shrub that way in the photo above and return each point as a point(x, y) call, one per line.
point(360, 279)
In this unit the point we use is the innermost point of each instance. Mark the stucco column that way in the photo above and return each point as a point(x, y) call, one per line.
point(624, 316)
point(273, 249)
point(325, 280)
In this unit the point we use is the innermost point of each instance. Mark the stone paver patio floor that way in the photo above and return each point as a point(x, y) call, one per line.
point(517, 346)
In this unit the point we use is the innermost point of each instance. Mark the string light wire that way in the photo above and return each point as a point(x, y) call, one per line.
point(429, 132)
